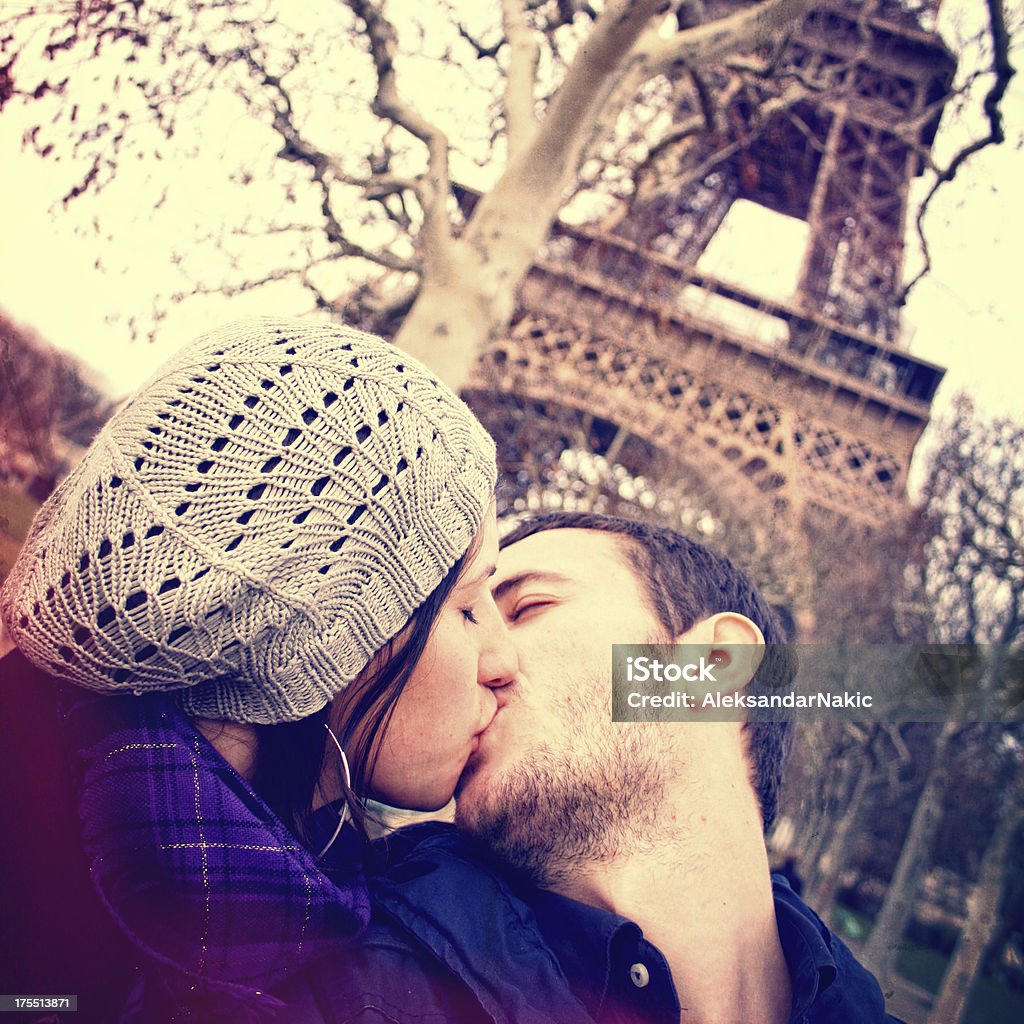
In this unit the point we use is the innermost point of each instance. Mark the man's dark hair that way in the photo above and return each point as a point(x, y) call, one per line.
point(687, 582)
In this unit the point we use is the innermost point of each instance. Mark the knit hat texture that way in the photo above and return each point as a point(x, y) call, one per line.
point(261, 518)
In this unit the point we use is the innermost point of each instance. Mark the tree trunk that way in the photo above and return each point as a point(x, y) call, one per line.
point(469, 290)
point(447, 329)
point(983, 911)
point(883, 943)
point(815, 826)
point(813, 833)
point(837, 850)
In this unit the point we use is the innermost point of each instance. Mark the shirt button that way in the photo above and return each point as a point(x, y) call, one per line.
point(639, 975)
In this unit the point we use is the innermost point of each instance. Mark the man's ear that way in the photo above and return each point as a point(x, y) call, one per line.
point(729, 642)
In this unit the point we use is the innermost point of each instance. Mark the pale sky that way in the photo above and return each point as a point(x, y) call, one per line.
point(80, 293)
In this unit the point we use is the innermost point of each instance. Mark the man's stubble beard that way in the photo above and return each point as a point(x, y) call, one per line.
point(559, 812)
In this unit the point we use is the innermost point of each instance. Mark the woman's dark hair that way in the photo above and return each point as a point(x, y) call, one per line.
point(290, 756)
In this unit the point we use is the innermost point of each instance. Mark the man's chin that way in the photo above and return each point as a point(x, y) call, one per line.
point(471, 793)
point(466, 791)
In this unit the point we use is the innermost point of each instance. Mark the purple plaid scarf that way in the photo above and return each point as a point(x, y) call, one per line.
point(202, 876)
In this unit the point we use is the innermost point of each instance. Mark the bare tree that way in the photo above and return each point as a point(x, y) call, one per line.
point(984, 904)
point(48, 411)
point(561, 103)
point(973, 580)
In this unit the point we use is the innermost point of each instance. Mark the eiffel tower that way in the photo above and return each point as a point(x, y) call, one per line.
point(629, 378)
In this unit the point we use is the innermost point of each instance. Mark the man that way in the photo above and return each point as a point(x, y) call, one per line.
point(646, 839)
point(639, 889)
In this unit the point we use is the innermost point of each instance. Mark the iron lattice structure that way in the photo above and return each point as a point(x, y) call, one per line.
point(629, 375)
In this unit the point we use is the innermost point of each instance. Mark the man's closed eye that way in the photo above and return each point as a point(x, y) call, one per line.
point(528, 606)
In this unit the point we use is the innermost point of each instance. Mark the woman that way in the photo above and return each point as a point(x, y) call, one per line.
point(281, 544)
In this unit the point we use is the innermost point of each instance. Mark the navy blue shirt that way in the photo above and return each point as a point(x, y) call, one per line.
point(621, 978)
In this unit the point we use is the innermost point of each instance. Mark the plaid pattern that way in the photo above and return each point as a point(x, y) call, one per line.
point(198, 871)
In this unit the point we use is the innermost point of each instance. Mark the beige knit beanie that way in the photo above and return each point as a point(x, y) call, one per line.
point(255, 524)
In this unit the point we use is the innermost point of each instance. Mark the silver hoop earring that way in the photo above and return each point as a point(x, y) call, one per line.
point(343, 814)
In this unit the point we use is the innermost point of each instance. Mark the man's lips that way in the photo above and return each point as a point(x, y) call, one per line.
point(479, 734)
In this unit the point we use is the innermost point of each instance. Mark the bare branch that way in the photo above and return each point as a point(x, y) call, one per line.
point(521, 80)
point(300, 274)
point(693, 125)
point(768, 110)
point(388, 103)
point(766, 68)
point(320, 300)
point(577, 112)
point(710, 109)
point(386, 185)
point(242, 287)
point(246, 231)
point(695, 47)
point(324, 170)
point(83, 186)
point(482, 52)
point(746, 29)
point(1004, 72)
point(347, 247)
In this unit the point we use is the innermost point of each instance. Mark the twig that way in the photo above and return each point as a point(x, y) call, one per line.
point(1004, 72)
point(389, 103)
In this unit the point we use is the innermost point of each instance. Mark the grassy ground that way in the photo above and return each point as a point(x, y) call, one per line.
point(991, 1001)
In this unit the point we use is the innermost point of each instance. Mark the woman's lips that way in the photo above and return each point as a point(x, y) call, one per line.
point(478, 738)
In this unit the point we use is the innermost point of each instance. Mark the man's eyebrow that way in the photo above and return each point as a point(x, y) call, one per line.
point(521, 579)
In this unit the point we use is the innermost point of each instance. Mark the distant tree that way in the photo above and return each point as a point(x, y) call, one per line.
point(48, 410)
point(845, 767)
point(972, 578)
point(979, 932)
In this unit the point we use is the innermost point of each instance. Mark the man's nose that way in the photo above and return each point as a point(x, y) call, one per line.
point(499, 659)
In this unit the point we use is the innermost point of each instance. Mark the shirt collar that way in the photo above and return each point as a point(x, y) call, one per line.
point(444, 889)
point(585, 939)
point(807, 946)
